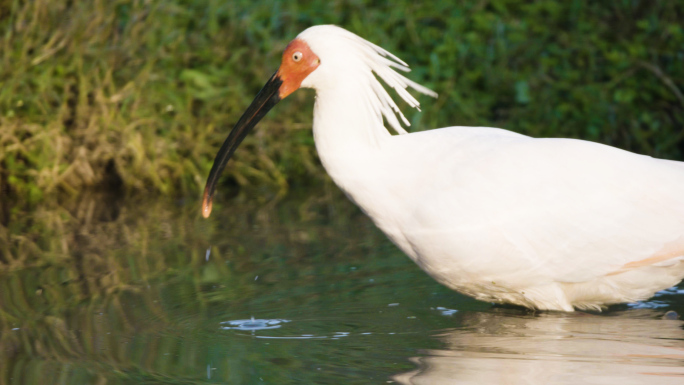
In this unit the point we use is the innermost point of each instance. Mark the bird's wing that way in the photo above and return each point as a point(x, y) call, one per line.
point(561, 209)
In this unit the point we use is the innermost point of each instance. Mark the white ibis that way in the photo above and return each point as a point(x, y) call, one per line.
point(551, 224)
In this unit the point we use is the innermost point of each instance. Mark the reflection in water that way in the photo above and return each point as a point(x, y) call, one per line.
point(502, 347)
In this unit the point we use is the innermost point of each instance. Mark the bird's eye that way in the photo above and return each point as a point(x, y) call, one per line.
point(297, 56)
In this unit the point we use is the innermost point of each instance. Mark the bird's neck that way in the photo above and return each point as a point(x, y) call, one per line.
point(347, 131)
point(352, 144)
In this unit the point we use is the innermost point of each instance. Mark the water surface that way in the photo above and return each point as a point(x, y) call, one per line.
point(302, 292)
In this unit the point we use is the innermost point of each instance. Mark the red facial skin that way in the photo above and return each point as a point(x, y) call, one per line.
point(292, 72)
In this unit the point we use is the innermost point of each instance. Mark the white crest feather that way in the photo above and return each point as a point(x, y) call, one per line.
point(382, 63)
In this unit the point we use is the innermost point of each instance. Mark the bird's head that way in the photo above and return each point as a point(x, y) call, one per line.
point(297, 63)
point(320, 57)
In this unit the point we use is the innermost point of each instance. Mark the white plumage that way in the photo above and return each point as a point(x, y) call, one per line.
point(543, 223)
point(551, 224)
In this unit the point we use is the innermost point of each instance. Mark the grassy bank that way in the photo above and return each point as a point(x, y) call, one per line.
point(135, 96)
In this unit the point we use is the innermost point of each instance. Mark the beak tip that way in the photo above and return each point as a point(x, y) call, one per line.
point(206, 205)
point(206, 212)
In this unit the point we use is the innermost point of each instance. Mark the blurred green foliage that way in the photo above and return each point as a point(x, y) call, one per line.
point(136, 95)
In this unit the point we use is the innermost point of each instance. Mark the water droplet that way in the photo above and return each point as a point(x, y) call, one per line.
point(671, 315)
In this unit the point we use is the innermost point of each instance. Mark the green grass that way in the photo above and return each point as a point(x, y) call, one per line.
point(136, 96)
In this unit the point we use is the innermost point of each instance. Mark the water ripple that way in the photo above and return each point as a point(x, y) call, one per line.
point(253, 324)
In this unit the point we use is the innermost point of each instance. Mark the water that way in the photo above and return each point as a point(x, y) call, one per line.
point(303, 292)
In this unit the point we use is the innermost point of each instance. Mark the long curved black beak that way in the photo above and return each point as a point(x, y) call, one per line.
point(265, 100)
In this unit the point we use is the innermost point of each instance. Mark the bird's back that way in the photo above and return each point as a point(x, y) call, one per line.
point(475, 206)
